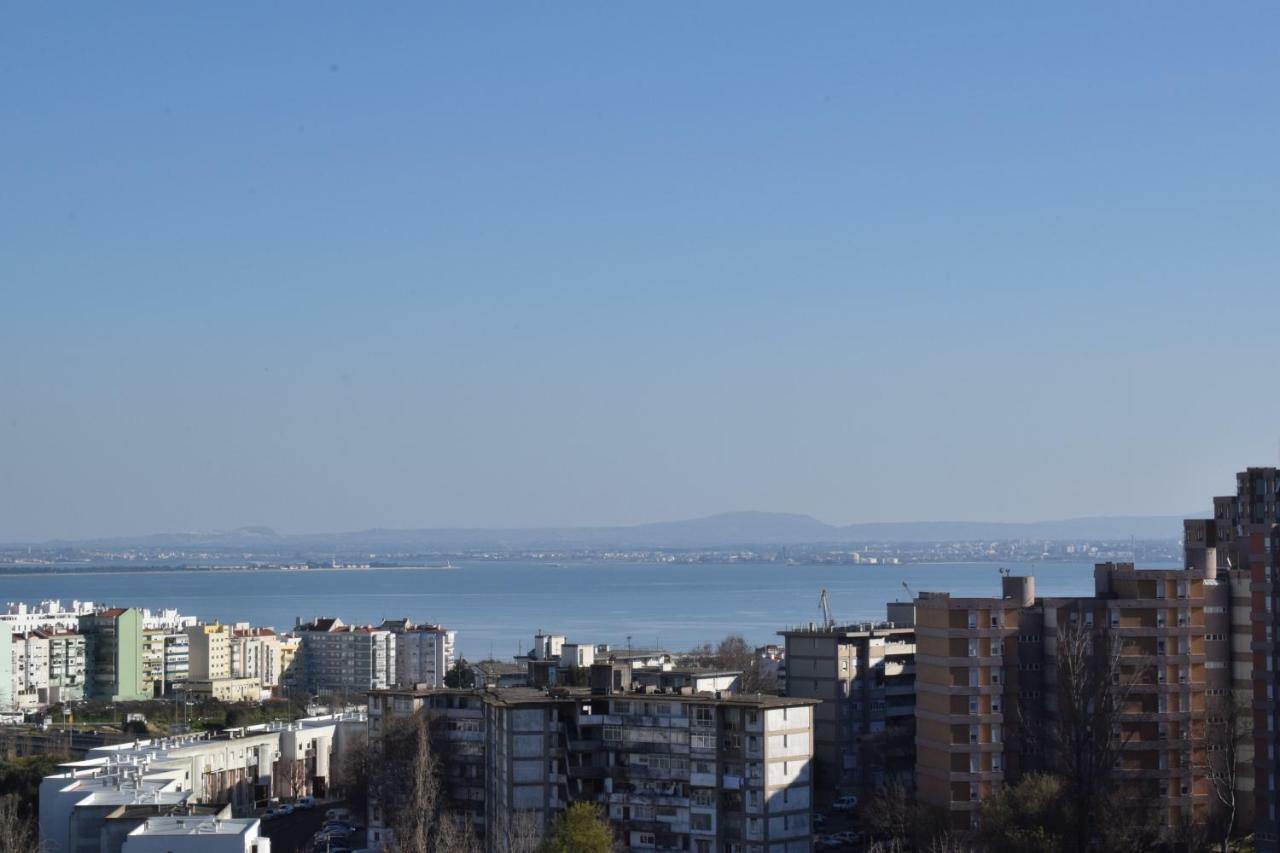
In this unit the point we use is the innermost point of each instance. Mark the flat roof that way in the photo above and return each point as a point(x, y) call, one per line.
point(533, 695)
point(196, 825)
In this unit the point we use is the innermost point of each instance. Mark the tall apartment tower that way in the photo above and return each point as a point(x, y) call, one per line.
point(1243, 541)
point(971, 667)
point(990, 681)
point(114, 654)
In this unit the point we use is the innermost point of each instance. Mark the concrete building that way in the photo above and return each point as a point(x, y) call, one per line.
point(209, 652)
point(257, 653)
point(197, 835)
point(19, 617)
point(167, 619)
point(114, 654)
point(988, 682)
point(338, 658)
point(68, 667)
point(1243, 542)
point(970, 660)
point(165, 659)
point(675, 770)
point(864, 674)
point(29, 666)
point(236, 769)
point(695, 679)
point(424, 653)
point(224, 689)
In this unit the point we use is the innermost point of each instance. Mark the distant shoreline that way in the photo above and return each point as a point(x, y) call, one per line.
point(9, 572)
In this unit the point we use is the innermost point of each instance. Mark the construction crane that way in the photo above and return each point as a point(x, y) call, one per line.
point(828, 621)
point(911, 596)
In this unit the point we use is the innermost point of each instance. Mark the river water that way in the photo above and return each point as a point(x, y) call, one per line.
point(496, 607)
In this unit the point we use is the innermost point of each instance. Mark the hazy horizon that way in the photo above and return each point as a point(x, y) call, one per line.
point(333, 268)
point(269, 529)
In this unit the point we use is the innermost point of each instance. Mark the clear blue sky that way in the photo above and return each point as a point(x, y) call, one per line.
point(333, 266)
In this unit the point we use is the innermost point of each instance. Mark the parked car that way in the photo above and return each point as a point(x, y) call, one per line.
point(827, 842)
point(337, 814)
point(819, 819)
point(270, 814)
point(307, 802)
point(846, 803)
point(284, 810)
point(848, 836)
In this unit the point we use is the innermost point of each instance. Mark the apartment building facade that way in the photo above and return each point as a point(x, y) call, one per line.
point(1243, 541)
point(338, 658)
point(237, 768)
point(970, 668)
point(113, 653)
point(864, 674)
point(992, 683)
point(673, 770)
point(424, 653)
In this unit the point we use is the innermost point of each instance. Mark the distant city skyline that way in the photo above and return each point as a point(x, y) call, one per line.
point(337, 268)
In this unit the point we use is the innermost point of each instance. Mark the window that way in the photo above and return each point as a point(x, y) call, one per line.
point(612, 733)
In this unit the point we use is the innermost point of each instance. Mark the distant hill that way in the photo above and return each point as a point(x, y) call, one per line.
point(722, 530)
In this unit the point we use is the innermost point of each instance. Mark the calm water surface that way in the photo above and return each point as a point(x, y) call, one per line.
point(497, 607)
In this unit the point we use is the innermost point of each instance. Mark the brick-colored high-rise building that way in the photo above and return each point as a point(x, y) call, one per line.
point(990, 691)
point(1243, 542)
point(969, 673)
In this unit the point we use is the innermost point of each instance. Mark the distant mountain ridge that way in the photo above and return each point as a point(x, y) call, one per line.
point(721, 530)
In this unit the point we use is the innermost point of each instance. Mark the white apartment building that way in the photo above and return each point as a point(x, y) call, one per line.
point(30, 670)
point(167, 619)
point(199, 834)
point(19, 617)
point(237, 769)
point(424, 653)
point(257, 653)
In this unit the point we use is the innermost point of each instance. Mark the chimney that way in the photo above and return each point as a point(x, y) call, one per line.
point(1020, 588)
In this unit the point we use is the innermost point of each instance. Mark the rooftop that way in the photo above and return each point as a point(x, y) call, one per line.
point(533, 695)
point(197, 826)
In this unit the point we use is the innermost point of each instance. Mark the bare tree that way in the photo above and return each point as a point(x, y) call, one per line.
point(406, 780)
point(1228, 746)
point(17, 830)
point(416, 816)
point(1093, 682)
point(518, 831)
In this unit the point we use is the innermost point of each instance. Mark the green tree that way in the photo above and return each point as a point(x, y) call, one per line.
point(461, 675)
point(1030, 815)
point(581, 829)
